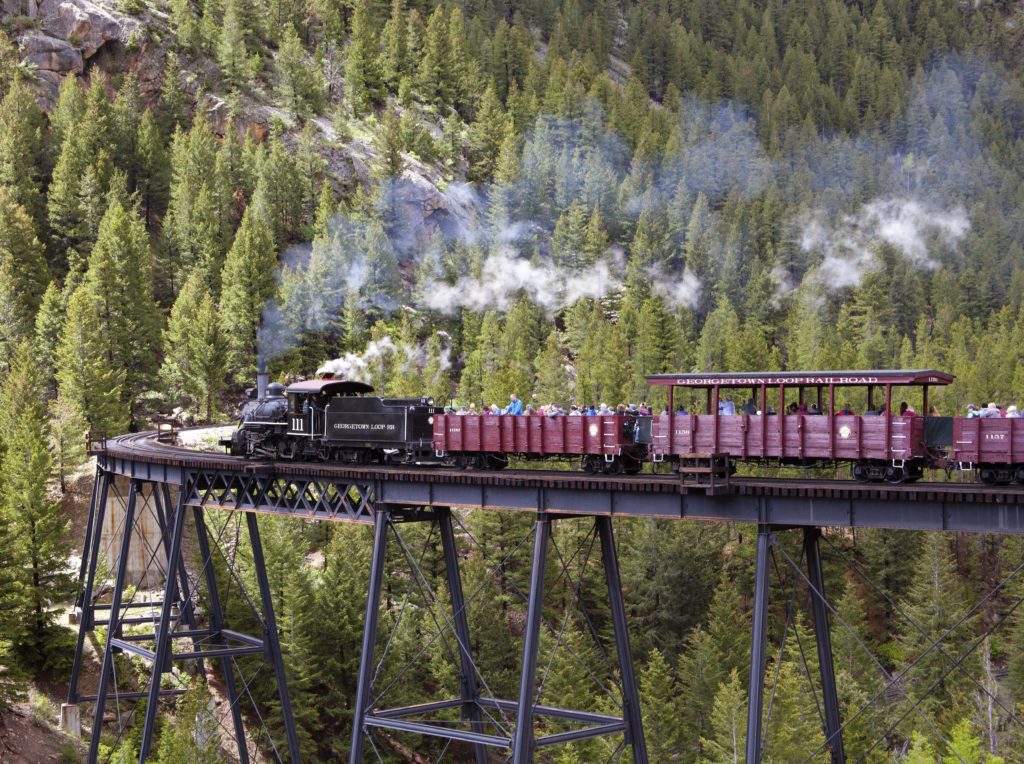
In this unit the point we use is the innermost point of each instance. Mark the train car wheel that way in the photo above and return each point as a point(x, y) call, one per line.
point(613, 467)
point(861, 473)
point(1019, 475)
point(987, 476)
point(895, 475)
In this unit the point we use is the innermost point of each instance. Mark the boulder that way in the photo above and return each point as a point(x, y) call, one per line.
point(49, 54)
point(84, 24)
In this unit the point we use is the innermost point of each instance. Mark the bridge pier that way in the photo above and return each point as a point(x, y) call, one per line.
point(475, 701)
point(177, 606)
point(759, 643)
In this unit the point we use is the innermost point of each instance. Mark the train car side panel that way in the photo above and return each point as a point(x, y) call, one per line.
point(992, 440)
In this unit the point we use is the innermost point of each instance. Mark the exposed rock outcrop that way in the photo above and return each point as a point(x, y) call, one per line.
point(67, 33)
point(51, 54)
point(84, 24)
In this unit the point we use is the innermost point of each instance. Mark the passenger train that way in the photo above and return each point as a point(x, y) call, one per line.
point(342, 421)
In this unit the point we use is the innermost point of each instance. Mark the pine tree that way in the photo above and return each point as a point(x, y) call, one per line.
point(12, 678)
point(432, 76)
point(486, 135)
point(88, 380)
point(232, 50)
point(247, 284)
point(280, 191)
point(153, 170)
point(389, 145)
point(23, 274)
point(935, 601)
point(554, 383)
point(67, 114)
point(382, 285)
point(120, 277)
point(363, 73)
point(48, 324)
point(728, 724)
point(195, 356)
point(39, 527)
point(394, 41)
point(21, 147)
point(659, 700)
point(299, 82)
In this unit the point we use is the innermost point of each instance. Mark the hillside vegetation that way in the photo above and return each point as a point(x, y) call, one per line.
point(547, 198)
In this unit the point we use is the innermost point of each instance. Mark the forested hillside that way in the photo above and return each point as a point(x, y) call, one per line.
point(551, 198)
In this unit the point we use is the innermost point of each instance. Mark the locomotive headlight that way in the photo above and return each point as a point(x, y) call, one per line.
point(430, 420)
point(430, 401)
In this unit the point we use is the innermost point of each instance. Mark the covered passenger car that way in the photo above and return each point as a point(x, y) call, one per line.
point(759, 427)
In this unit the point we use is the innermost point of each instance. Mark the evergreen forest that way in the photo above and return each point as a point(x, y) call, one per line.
point(551, 198)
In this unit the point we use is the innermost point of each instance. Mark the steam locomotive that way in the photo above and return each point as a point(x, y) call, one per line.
point(339, 420)
point(334, 420)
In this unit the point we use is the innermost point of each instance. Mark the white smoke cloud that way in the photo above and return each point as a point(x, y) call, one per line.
point(365, 366)
point(356, 366)
point(681, 290)
point(505, 275)
point(912, 227)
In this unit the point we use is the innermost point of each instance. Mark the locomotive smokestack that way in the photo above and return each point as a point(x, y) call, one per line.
point(262, 379)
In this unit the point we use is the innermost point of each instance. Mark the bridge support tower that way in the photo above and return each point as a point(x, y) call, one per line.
point(173, 618)
point(492, 722)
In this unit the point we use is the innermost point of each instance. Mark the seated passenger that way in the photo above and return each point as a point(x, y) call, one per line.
point(514, 407)
point(933, 410)
point(846, 410)
point(871, 412)
point(802, 408)
point(574, 410)
point(792, 408)
point(972, 411)
point(1012, 413)
point(813, 409)
point(727, 407)
point(991, 411)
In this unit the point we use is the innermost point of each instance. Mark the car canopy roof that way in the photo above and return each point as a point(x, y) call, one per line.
point(329, 386)
point(859, 377)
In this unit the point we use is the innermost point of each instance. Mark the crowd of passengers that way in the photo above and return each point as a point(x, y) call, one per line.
point(515, 408)
point(726, 407)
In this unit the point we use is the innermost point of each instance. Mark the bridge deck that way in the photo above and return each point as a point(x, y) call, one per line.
point(333, 492)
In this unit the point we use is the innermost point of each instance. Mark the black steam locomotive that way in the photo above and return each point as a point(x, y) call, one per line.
point(334, 420)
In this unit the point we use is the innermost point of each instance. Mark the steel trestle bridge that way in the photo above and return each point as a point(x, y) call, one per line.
point(174, 482)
